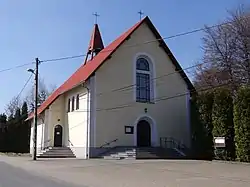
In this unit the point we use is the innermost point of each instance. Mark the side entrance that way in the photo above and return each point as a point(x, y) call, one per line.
point(58, 131)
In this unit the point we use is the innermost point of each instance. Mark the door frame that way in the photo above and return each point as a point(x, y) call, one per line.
point(54, 134)
point(152, 123)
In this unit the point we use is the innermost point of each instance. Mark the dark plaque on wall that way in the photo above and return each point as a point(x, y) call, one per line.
point(129, 130)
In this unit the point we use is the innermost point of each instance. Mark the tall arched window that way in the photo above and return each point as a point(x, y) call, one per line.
point(143, 80)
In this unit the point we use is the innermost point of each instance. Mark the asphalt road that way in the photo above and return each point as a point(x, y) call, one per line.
point(23, 172)
point(11, 176)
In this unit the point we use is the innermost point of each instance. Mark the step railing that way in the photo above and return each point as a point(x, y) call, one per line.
point(106, 146)
point(71, 143)
point(169, 142)
point(109, 143)
point(44, 144)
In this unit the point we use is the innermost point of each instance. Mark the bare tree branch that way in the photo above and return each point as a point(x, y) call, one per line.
point(227, 52)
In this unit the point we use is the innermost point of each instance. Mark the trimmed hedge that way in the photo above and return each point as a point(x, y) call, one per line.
point(201, 121)
point(206, 100)
point(222, 121)
point(242, 124)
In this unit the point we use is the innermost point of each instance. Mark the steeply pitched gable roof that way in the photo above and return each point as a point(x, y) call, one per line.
point(86, 70)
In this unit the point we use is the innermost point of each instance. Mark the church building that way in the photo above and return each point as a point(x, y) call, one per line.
point(130, 93)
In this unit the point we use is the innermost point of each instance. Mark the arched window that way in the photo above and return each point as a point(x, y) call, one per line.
point(69, 105)
point(73, 104)
point(77, 101)
point(144, 80)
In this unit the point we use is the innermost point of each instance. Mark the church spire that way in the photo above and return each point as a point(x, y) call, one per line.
point(95, 44)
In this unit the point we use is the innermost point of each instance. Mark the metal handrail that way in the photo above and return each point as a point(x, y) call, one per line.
point(169, 142)
point(71, 143)
point(108, 143)
point(46, 141)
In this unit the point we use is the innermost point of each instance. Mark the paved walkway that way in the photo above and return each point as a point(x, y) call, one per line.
point(135, 173)
point(15, 177)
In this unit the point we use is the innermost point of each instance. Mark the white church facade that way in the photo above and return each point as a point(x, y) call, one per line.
point(130, 93)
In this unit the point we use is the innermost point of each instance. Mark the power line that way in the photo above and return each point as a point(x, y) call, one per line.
point(24, 86)
point(163, 98)
point(152, 79)
point(131, 86)
point(146, 42)
point(125, 46)
point(15, 67)
point(62, 58)
point(21, 91)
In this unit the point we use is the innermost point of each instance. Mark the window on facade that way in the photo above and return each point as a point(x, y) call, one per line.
point(77, 102)
point(73, 104)
point(142, 64)
point(69, 105)
point(143, 76)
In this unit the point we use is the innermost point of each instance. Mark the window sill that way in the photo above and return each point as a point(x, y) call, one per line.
point(76, 110)
point(146, 102)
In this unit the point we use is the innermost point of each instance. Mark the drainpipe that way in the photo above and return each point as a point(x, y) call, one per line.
point(87, 144)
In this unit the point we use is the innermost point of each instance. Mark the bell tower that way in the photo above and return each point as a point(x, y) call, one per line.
point(96, 43)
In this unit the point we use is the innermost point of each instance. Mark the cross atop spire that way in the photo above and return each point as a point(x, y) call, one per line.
point(140, 13)
point(96, 16)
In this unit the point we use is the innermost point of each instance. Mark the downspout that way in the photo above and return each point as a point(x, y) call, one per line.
point(188, 108)
point(87, 144)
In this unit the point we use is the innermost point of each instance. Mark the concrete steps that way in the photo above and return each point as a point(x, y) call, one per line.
point(157, 153)
point(119, 153)
point(57, 152)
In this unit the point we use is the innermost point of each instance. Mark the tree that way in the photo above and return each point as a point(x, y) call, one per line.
point(3, 121)
point(222, 120)
point(25, 129)
point(16, 136)
point(205, 105)
point(12, 106)
point(198, 132)
point(227, 52)
point(242, 124)
point(43, 93)
point(241, 29)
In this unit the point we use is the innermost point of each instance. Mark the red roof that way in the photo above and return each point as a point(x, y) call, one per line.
point(86, 70)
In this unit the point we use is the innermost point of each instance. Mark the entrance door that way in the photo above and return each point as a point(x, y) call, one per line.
point(143, 134)
point(58, 136)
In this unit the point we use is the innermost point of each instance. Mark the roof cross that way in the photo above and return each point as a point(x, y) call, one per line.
point(140, 13)
point(96, 16)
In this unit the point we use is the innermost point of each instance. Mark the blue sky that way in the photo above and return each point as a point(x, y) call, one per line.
point(56, 28)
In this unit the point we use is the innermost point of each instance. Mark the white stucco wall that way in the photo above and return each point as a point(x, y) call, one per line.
point(56, 116)
point(77, 122)
point(169, 117)
point(40, 136)
point(74, 123)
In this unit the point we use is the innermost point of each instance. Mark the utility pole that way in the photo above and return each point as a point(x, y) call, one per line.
point(35, 111)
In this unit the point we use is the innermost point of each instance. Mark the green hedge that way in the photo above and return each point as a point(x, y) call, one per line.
point(222, 121)
point(201, 122)
point(242, 124)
